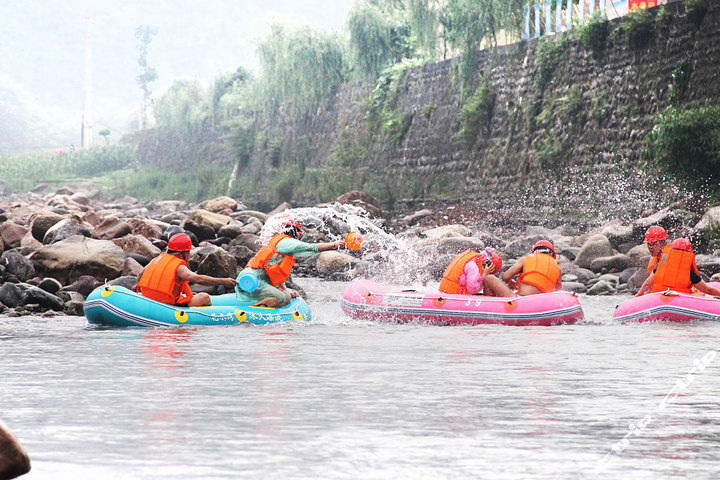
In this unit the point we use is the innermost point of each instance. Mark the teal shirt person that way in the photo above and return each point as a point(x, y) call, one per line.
point(265, 294)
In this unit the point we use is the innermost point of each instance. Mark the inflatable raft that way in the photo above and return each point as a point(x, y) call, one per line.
point(669, 306)
point(118, 306)
point(365, 300)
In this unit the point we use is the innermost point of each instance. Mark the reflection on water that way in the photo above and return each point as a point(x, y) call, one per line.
point(337, 398)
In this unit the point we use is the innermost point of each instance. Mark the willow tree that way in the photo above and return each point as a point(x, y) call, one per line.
point(424, 20)
point(299, 66)
point(148, 74)
point(182, 106)
point(379, 36)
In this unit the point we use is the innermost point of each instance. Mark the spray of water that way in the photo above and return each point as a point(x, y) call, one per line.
point(385, 257)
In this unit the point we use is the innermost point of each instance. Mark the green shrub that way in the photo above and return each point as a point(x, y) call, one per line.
point(476, 113)
point(686, 142)
point(593, 34)
point(551, 54)
point(636, 28)
point(681, 79)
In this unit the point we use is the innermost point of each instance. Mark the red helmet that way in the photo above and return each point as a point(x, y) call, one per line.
point(180, 242)
point(544, 247)
point(292, 228)
point(655, 234)
point(496, 262)
point(681, 244)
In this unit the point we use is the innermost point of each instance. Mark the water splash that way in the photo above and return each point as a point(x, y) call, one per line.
point(385, 257)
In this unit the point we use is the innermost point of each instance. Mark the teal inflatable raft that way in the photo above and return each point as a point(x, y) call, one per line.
point(118, 306)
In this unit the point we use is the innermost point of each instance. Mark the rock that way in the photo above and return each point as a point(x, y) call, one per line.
point(127, 281)
point(36, 295)
point(131, 268)
point(209, 219)
point(14, 460)
point(233, 229)
point(65, 229)
point(665, 218)
point(215, 262)
point(640, 255)
point(16, 264)
point(601, 288)
point(456, 245)
point(362, 200)
point(111, 227)
point(627, 274)
point(201, 232)
point(253, 226)
point(636, 280)
point(11, 295)
point(331, 262)
point(584, 275)
point(83, 285)
point(279, 209)
point(144, 227)
point(50, 285)
point(446, 231)
point(263, 217)
point(75, 307)
point(12, 234)
point(415, 217)
point(246, 240)
point(171, 231)
point(218, 204)
point(137, 244)
point(614, 263)
point(708, 264)
point(42, 222)
point(69, 259)
point(575, 287)
point(141, 259)
point(594, 247)
point(618, 234)
point(242, 254)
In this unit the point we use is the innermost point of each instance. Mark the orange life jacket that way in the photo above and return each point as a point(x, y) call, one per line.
point(651, 264)
point(451, 276)
point(673, 271)
point(540, 270)
point(277, 273)
point(159, 282)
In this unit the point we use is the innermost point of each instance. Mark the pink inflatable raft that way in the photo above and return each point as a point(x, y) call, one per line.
point(669, 307)
point(365, 300)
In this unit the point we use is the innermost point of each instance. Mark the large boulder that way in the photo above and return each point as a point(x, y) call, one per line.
point(613, 263)
point(69, 259)
point(594, 247)
point(200, 231)
point(332, 262)
point(362, 200)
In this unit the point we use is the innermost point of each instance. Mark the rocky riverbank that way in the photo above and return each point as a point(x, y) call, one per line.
point(57, 248)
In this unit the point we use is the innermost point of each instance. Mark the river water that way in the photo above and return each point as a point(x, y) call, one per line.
point(341, 399)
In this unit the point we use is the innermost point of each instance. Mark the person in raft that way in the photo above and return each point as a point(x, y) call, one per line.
point(167, 277)
point(657, 239)
point(273, 263)
point(464, 275)
point(676, 271)
point(538, 272)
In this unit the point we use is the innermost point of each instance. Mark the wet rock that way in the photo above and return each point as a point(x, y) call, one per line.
point(36, 295)
point(16, 264)
point(594, 247)
point(69, 259)
point(11, 295)
point(242, 254)
point(253, 226)
point(14, 460)
point(65, 229)
point(627, 274)
point(618, 234)
point(362, 200)
point(456, 245)
point(331, 262)
point(708, 264)
point(75, 308)
point(575, 287)
point(232, 229)
point(141, 259)
point(636, 280)
point(416, 217)
point(614, 263)
point(446, 231)
point(131, 268)
point(246, 240)
point(127, 281)
point(601, 288)
point(245, 214)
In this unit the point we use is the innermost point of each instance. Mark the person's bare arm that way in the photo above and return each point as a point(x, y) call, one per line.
point(509, 274)
point(705, 288)
point(647, 285)
point(184, 273)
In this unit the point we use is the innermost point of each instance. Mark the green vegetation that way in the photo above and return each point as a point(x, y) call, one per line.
point(476, 113)
point(681, 79)
point(594, 33)
point(636, 28)
point(686, 143)
point(696, 10)
point(551, 55)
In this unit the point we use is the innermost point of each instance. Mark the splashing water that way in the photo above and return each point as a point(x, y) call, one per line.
point(385, 257)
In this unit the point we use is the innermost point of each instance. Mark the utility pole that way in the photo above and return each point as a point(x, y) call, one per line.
point(87, 120)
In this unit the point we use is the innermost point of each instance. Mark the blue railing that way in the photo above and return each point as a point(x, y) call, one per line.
point(577, 11)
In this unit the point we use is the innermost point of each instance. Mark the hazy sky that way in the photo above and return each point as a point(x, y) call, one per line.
point(42, 44)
